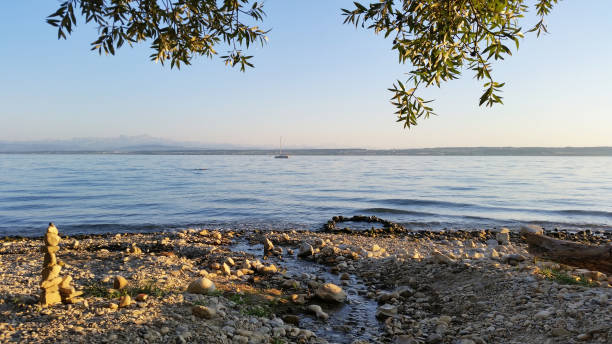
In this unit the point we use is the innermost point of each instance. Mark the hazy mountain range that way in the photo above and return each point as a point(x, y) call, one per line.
point(114, 144)
point(145, 144)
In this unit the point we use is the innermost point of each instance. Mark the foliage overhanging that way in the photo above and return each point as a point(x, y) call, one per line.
point(439, 39)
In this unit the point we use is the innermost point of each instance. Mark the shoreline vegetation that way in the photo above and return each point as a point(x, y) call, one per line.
point(13, 148)
point(239, 286)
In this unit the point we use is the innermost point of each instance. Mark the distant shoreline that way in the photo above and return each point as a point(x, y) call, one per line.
point(450, 151)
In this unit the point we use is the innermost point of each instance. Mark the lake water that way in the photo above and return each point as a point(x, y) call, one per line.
point(117, 193)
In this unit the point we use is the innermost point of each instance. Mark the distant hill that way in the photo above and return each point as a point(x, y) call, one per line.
point(151, 145)
point(107, 145)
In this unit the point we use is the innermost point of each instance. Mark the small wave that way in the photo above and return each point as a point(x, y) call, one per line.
point(396, 211)
point(73, 197)
point(586, 212)
point(238, 200)
point(408, 201)
point(446, 204)
point(456, 188)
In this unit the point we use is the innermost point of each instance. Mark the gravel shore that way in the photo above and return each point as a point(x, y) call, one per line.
point(207, 286)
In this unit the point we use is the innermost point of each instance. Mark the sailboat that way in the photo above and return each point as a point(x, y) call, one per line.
point(280, 150)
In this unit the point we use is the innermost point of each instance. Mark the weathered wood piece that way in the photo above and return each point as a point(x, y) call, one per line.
point(597, 258)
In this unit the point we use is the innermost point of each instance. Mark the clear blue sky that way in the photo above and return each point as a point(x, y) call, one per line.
point(318, 83)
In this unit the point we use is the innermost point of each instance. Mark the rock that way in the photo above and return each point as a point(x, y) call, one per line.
point(125, 301)
point(298, 299)
point(318, 311)
point(385, 296)
point(291, 284)
point(593, 275)
point(441, 258)
point(434, 338)
point(113, 305)
point(503, 238)
point(534, 229)
point(476, 255)
point(50, 296)
point(201, 286)
point(203, 312)
point(584, 337)
point(66, 282)
point(542, 315)
point(119, 283)
point(305, 250)
point(270, 269)
point(226, 269)
point(52, 239)
point(134, 249)
point(51, 273)
point(466, 341)
point(559, 332)
point(292, 319)
point(386, 311)
point(513, 259)
point(345, 276)
point(141, 297)
point(268, 246)
point(230, 261)
point(405, 339)
point(492, 243)
point(51, 283)
point(331, 292)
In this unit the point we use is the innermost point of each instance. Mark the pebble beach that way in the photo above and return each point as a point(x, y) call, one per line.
point(224, 286)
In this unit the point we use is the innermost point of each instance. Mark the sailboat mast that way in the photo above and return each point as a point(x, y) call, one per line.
point(280, 146)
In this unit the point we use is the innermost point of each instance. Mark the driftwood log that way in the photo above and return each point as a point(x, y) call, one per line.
point(597, 258)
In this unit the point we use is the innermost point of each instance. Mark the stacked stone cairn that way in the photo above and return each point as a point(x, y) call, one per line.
point(55, 289)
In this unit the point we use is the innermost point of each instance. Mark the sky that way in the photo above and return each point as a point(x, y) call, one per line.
point(318, 84)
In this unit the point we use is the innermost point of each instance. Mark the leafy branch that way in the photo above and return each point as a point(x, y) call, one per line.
point(440, 39)
point(178, 29)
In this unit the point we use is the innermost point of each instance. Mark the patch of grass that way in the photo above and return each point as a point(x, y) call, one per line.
point(563, 277)
point(216, 292)
point(262, 311)
point(277, 341)
point(237, 299)
point(98, 289)
point(149, 288)
point(202, 302)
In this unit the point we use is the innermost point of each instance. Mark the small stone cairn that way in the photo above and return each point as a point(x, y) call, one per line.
point(55, 289)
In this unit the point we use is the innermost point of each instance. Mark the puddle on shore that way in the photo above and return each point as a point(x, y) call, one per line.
point(347, 322)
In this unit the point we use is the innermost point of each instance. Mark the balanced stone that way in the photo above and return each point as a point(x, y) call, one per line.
point(50, 296)
point(51, 272)
point(68, 292)
point(52, 239)
point(50, 282)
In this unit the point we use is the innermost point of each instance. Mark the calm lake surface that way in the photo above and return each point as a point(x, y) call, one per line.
point(118, 193)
